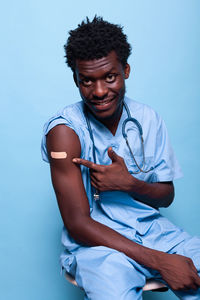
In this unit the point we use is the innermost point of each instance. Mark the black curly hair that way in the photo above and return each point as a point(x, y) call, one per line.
point(96, 39)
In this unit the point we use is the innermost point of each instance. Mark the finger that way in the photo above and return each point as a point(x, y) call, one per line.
point(94, 172)
point(86, 163)
point(95, 182)
point(198, 280)
point(194, 286)
point(113, 156)
point(98, 187)
point(194, 268)
point(94, 185)
point(196, 276)
point(94, 179)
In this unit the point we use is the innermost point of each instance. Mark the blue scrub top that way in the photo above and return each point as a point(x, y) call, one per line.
point(118, 210)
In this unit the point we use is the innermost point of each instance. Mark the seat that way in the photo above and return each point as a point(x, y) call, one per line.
point(151, 284)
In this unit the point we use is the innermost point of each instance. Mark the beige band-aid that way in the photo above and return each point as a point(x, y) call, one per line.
point(58, 155)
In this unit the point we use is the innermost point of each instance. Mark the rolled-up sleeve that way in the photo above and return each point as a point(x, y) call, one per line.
point(65, 119)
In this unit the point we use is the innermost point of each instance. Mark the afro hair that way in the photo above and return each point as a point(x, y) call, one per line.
point(96, 39)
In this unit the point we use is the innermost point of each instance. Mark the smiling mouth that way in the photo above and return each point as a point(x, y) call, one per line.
point(102, 102)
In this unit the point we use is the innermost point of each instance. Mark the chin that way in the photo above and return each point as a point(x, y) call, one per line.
point(107, 115)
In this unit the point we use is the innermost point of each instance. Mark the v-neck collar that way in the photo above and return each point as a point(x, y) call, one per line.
point(104, 129)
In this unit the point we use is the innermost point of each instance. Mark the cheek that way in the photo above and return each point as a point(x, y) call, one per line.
point(119, 84)
point(118, 87)
point(85, 93)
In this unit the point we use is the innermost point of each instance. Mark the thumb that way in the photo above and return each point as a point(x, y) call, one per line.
point(113, 156)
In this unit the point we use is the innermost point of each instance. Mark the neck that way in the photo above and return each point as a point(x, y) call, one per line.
point(112, 122)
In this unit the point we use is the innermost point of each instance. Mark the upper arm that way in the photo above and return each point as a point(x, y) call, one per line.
point(66, 176)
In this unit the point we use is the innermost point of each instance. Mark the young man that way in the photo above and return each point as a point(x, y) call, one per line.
point(109, 191)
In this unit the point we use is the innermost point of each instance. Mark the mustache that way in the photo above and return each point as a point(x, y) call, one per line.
point(95, 99)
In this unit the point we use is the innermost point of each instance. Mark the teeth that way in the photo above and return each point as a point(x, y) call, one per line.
point(103, 103)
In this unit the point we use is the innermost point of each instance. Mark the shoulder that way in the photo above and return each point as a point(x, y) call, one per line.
point(73, 112)
point(62, 139)
point(143, 112)
point(72, 117)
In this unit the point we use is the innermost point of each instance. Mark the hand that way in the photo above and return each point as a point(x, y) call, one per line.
point(108, 178)
point(179, 272)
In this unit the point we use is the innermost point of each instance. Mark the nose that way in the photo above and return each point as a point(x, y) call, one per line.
point(100, 90)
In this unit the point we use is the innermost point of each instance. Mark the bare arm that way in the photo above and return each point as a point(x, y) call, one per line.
point(157, 194)
point(72, 198)
point(74, 208)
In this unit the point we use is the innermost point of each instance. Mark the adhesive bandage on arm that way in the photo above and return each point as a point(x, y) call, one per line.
point(58, 155)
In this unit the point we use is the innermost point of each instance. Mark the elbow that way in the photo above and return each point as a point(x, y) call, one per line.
point(78, 228)
point(169, 198)
point(167, 202)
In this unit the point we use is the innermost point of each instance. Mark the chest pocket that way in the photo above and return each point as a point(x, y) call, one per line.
point(149, 165)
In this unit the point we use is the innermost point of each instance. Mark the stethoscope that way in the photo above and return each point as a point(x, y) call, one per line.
point(129, 119)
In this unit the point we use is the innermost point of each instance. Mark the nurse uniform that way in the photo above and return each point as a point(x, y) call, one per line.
point(106, 273)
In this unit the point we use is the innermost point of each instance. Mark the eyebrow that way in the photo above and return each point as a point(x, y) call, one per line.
point(112, 70)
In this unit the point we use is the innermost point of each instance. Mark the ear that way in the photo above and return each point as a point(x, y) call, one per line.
point(75, 79)
point(127, 70)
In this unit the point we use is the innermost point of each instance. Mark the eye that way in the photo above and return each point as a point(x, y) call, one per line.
point(86, 81)
point(111, 78)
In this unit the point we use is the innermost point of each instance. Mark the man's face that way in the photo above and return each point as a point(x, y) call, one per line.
point(101, 83)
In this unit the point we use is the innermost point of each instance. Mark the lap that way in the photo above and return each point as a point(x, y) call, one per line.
point(104, 273)
point(190, 247)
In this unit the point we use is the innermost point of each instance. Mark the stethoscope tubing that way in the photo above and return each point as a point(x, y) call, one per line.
point(129, 119)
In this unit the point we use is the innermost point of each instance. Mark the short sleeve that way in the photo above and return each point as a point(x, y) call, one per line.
point(165, 163)
point(58, 120)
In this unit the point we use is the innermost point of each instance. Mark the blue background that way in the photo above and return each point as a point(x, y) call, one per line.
point(35, 83)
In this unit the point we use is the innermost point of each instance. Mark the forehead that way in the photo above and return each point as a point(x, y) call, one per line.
point(99, 66)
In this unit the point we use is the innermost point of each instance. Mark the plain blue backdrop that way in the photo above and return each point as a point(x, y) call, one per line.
point(35, 83)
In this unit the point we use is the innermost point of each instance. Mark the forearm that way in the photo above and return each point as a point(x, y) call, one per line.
point(115, 177)
point(91, 233)
point(178, 271)
point(158, 194)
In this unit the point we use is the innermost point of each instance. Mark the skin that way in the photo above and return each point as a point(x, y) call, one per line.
point(100, 81)
point(115, 177)
point(97, 83)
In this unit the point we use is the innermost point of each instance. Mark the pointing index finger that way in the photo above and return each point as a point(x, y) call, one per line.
point(86, 163)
